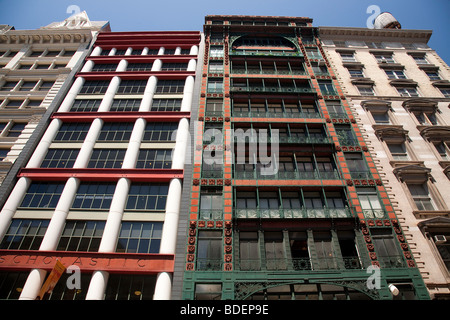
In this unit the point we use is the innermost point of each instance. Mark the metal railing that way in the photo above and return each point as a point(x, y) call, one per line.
point(289, 213)
point(268, 114)
point(288, 175)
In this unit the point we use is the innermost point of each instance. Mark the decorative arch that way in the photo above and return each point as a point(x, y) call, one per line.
point(289, 42)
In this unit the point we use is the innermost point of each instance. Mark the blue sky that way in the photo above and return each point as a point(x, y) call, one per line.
point(149, 15)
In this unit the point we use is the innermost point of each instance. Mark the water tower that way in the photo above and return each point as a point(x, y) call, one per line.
point(385, 20)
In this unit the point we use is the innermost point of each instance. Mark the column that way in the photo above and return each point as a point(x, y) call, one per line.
point(148, 94)
point(50, 241)
point(109, 95)
point(89, 142)
point(144, 51)
point(188, 93)
point(71, 95)
point(132, 153)
point(97, 286)
point(163, 287)
point(42, 148)
point(96, 52)
point(10, 207)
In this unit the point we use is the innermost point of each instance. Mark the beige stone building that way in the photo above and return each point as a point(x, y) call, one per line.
point(34, 65)
point(400, 92)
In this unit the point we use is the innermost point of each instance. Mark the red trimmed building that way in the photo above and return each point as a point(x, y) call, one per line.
point(102, 190)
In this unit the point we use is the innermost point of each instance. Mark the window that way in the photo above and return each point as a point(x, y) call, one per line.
point(94, 196)
point(384, 58)
point(106, 158)
point(73, 131)
point(443, 149)
point(209, 250)
point(95, 87)
point(421, 196)
point(370, 203)
point(146, 196)
point(395, 74)
point(113, 131)
point(130, 287)
point(216, 51)
point(356, 73)
point(420, 59)
point(9, 85)
point(274, 250)
point(433, 75)
point(381, 117)
point(14, 104)
point(46, 85)
point(24, 234)
point(387, 251)
point(60, 158)
point(215, 66)
point(166, 105)
point(408, 92)
point(324, 250)
point(327, 87)
point(445, 92)
point(139, 66)
point(215, 86)
point(425, 118)
point(357, 166)
point(125, 105)
point(27, 85)
point(398, 151)
point(16, 129)
point(345, 135)
point(249, 251)
point(174, 67)
point(335, 109)
point(85, 105)
point(154, 159)
point(441, 238)
point(42, 195)
point(366, 90)
point(139, 237)
point(214, 107)
point(81, 236)
point(211, 204)
point(131, 86)
point(208, 291)
point(3, 153)
point(170, 86)
point(347, 57)
point(160, 131)
point(104, 67)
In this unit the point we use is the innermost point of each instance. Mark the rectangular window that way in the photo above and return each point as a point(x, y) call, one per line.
point(216, 51)
point(95, 87)
point(215, 66)
point(139, 237)
point(398, 151)
point(370, 202)
point(125, 105)
point(81, 236)
point(106, 158)
point(94, 196)
point(357, 166)
point(274, 250)
point(443, 149)
point(9, 85)
point(73, 131)
point(421, 196)
point(85, 105)
point(42, 195)
point(166, 105)
point(60, 158)
point(211, 204)
point(346, 136)
point(16, 129)
point(139, 66)
point(115, 131)
point(24, 234)
point(324, 250)
point(347, 57)
point(387, 251)
point(215, 86)
point(98, 67)
point(384, 58)
point(433, 75)
point(160, 131)
point(408, 92)
point(170, 86)
point(154, 159)
point(356, 73)
point(27, 85)
point(131, 86)
point(174, 67)
point(249, 258)
point(366, 90)
point(395, 74)
point(145, 196)
point(209, 250)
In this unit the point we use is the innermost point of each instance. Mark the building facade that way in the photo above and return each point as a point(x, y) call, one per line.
point(101, 192)
point(399, 91)
point(281, 174)
point(34, 65)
